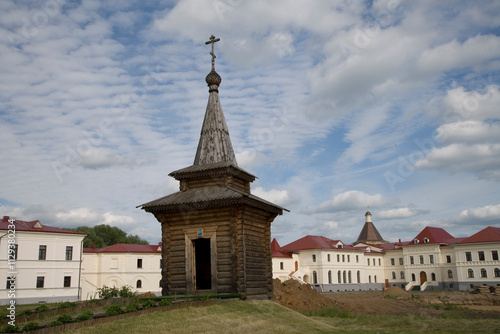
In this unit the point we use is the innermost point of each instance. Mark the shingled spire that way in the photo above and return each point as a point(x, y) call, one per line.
point(369, 234)
point(214, 145)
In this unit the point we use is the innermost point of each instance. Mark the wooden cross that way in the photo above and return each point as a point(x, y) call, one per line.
point(212, 41)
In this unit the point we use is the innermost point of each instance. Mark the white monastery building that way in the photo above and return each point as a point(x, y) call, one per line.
point(44, 264)
point(138, 266)
point(434, 259)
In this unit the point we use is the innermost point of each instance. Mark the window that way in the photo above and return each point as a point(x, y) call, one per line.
point(343, 258)
point(344, 277)
point(415, 241)
point(339, 276)
point(431, 258)
point(412, 261)
point(13, 256)
point(328, 257)
point(281, 265)
point(392, 261)
point(138, 284)
point(349, 276)
point(369, 278)
point(69, 253)
point(401, 261)
point(368, 261)
point(348, 258)
point(67, 281)
point(42, 252)
point(402, 275)
point(379, 262)
point(494, 255)
point(314, 257)
point(413, 278)
point(357, 258)
point(393, 275)
point(468, 256)
point(139, 263)
point(433, 276)
point(426, 240)
point(39, 281)
point(421, 257)
point(358, 276)
point(497, 272)
point(315, 277)
point(450, 273)
point(480, 255)
point(448, 258)
point(329, 277)
point(338, 258)
point(483, 273)
point(470, 273)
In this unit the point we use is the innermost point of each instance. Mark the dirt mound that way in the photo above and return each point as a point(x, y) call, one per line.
point(299, 297)
point(397, 292)
point(146, 295)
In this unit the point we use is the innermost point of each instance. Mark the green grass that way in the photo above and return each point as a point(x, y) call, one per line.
point(268, 317)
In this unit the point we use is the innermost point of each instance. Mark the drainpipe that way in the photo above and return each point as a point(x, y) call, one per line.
point(80, 272)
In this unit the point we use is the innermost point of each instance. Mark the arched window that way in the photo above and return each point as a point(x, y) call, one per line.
point(483, 273)
point(375, 278)
point(339, 276)
point(368, 261)
point(369, 278)
point(433, 276)
point(138, 285)
point(393, 275)
point(315, 277)
point(349, 277)
point(470, 273)
point(402, 275)
point(344, 277)
point(413, 279)
point(497, 272)
point(358, 276)
point(450, 273)
point(329, 277)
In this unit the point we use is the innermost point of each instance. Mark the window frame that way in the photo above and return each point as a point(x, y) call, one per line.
point(42, 252)
point(40, 282)
point(69, 253)
point(67, 282)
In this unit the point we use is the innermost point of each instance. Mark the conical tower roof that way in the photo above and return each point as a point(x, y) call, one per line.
point(369, 233)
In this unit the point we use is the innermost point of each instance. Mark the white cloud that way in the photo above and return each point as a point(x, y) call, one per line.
point(481, 215)
point(349, 200)
point(279, 197)
point(399, 213)
point(469, 132)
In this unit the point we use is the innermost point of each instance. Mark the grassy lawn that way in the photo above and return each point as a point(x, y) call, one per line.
point(225, 317)
point(269, 317)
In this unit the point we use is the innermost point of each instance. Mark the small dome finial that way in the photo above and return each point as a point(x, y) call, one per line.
point(213, 79)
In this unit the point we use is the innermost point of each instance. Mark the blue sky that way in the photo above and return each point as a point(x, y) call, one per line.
point(335, 106)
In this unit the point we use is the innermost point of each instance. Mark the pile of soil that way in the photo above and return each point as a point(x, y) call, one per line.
point(396, 292)
point(300, 297)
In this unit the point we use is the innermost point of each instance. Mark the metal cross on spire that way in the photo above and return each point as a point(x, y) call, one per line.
point(212, 41)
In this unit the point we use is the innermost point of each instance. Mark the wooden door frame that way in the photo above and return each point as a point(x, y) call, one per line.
point(189, 236)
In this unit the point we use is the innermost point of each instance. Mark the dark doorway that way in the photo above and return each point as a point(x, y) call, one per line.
point(423, 277)
point(203, 264)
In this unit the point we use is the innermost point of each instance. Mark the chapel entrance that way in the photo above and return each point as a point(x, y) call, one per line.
point(423, 277)
point(203, 265)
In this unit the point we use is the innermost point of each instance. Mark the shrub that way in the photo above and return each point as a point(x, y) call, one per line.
point(107, 292)
point(54, 323)
point(132, 307)
point(65, 305)
point(148, 304)
point(126, 292)
point(10, 329)
point(113, 310)
point(42, 308)
point(165, 302)
point(32, 325)
point(26, 312)
point(65, 318)
point(86, 315)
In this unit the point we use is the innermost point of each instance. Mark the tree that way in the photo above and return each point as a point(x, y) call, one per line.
point(104, 235)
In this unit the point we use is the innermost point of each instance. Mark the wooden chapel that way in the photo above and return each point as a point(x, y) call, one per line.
point(216, 235)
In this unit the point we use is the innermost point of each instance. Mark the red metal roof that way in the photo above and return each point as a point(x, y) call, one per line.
point(33, 226)
point(435, 235)
point(489, 234)
point(125, 248)
point(276, 250)
point(311, 242)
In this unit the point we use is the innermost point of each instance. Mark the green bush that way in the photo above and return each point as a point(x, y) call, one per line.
point(86, 315)
point(26, 312)
point(54, 323)
point(165, 302)
point(65, 305)
point(113, 310)
point(32, 325)
point(148, 304)
point(126, 292)
point(42, 308)
point(10, 329)
point(132, 307)
point(107, 292)
point(65, 318)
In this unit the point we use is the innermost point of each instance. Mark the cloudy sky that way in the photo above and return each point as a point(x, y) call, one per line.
point(335, 106)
